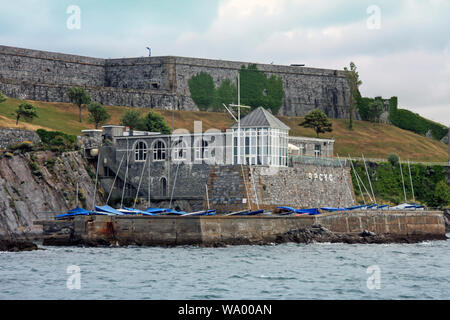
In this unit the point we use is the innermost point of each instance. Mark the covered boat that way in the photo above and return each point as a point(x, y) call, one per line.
point(108, 210)
point(74, 212)
point(311, 212)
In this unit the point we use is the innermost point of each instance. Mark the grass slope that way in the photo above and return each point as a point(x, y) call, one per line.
point(374, 140)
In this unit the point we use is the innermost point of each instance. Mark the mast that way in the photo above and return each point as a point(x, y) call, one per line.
point(125, 179)
point(357, 180)
point(412, 186)
point(403, 180)
point(96, 179)
point(368, 177)
point(114, 182)
point(140, 181)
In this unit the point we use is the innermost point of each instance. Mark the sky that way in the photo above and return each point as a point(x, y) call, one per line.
point(400, 47)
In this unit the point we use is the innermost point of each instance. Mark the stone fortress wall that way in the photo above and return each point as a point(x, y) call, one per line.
point(158, 82)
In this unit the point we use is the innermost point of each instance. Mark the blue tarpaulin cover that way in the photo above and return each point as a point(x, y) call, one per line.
point(74, 212)
point(311, 212)
point(108, 210)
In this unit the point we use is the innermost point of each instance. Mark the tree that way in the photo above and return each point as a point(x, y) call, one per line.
point(98, 114)
point(257, 90)
point(226, 93)
point(441, 196)
point(131, 119)
point(79, 97)
point(375, 110)
point(203, 90)
point(2, 97)
point(154, 122)
point(317, 120)
point(354, 83)
point(27, 111)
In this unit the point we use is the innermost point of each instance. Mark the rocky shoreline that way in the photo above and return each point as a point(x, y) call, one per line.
point(17, 245)
point(319, 234)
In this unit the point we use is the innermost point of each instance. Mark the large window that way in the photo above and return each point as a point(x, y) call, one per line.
point(140, 151)
point(261, 146)
point(159, 150)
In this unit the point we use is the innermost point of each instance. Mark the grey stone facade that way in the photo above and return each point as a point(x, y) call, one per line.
point(158, 82)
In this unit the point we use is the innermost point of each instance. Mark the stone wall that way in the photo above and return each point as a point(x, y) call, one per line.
point(303, 186)
point(158, 82)
point(305, 88)
point(15, 136)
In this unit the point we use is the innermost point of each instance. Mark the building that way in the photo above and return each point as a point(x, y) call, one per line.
point(191, 168)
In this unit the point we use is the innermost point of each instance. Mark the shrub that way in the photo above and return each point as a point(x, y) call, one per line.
point(56, 141)
point(393, 159)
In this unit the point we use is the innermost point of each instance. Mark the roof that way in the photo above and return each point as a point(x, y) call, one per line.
point(261, 117)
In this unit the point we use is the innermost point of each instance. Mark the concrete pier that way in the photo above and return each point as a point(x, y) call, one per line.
point(224, 230)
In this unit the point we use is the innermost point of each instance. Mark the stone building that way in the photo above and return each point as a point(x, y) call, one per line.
point(193, 170)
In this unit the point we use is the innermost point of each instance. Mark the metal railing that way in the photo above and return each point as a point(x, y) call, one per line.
point(378, 160)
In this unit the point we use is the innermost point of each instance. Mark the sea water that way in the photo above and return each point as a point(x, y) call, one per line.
point(286, 271)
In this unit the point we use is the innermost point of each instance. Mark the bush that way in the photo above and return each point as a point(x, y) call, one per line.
point(56, 141)
point(441, 195)
point(387, 181)
point(411, 121)
point(393, 159)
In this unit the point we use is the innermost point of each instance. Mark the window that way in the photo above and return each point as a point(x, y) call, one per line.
point(179, 150)
point(140, 153)
point(159, 151)
point(163, 186)
point(201, 150)
point(317, 150)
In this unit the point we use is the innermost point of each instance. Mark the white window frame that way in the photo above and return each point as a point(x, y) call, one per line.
point(137, 151)
point(156, 150)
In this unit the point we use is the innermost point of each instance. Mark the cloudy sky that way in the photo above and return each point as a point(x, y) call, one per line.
point(400, 47)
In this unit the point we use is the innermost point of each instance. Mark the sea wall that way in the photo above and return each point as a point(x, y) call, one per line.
point(222, 230)
point(10, 137)
point(39, 185)
point(158, 82)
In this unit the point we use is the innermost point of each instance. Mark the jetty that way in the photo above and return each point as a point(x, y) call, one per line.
point(374, 226)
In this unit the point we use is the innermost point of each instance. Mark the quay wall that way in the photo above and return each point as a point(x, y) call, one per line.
point(171, 231)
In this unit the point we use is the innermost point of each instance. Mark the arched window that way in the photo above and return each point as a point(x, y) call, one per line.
point(159, 150)
point(201, 150)
point(140, 151)
point(163, 186)
point(179, 150)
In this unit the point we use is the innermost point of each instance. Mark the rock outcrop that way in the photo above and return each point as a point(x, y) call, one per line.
point(319, 234)
point(39, 185)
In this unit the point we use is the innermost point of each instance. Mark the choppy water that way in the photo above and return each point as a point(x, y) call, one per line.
point(288, 271)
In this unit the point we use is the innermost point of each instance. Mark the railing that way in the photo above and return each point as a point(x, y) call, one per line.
point(327, 162)
point(378, 160)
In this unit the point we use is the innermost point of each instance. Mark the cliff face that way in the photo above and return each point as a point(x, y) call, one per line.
point(39, 185)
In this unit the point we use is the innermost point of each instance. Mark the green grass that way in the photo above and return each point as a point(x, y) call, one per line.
point(374, 140)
